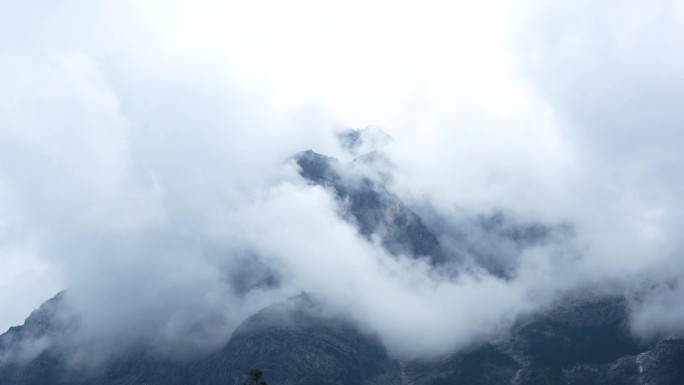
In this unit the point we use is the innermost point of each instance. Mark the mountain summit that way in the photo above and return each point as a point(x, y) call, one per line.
point(367, 140)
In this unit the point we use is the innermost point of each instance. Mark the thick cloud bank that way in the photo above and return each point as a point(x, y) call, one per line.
point(144, 164)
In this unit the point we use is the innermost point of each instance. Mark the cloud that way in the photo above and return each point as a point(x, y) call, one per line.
point(143, 163)
point(609, 72)
point(316, 250)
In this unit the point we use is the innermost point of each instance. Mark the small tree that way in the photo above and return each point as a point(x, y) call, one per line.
point(255, 375)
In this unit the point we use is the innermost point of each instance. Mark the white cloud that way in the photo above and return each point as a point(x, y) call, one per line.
point(142, 148)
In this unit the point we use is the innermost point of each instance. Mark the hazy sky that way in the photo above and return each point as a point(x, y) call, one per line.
point(142, 148)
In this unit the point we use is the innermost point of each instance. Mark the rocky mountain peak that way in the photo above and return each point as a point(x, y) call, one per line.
point(364, 141)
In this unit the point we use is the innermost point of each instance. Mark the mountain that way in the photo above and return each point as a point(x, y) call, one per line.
point(365, 141)
point(371, 207)
point(27, 353)
point(294, 343)
point(583, 340)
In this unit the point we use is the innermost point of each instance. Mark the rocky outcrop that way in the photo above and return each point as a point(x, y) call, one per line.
point(372, 208)
point(586, 341)
point(296, 344)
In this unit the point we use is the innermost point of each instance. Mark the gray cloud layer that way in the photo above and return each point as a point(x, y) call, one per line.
point(141, 171)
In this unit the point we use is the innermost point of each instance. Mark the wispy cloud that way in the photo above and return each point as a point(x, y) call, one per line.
point(143, 152)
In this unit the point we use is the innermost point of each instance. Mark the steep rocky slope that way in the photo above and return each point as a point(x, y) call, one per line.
point(371, 207)
point(585, 341)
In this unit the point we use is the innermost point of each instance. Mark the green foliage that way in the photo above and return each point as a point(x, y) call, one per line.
point(255, 376)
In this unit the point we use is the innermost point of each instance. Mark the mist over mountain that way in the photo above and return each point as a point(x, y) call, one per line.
point(193, 186)
point(580, 334)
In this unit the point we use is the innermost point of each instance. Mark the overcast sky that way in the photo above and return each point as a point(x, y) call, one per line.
point(142, 148)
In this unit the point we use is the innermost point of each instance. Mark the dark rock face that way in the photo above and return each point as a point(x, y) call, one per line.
point(372, 208)
point(291, 342)
point(585, 342)
point(298, 343)
point(483, 364)
point(27, 353)
point(597, 334)
point(491, 242)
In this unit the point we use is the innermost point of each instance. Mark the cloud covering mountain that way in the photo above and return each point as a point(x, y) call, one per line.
point(144, 164)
